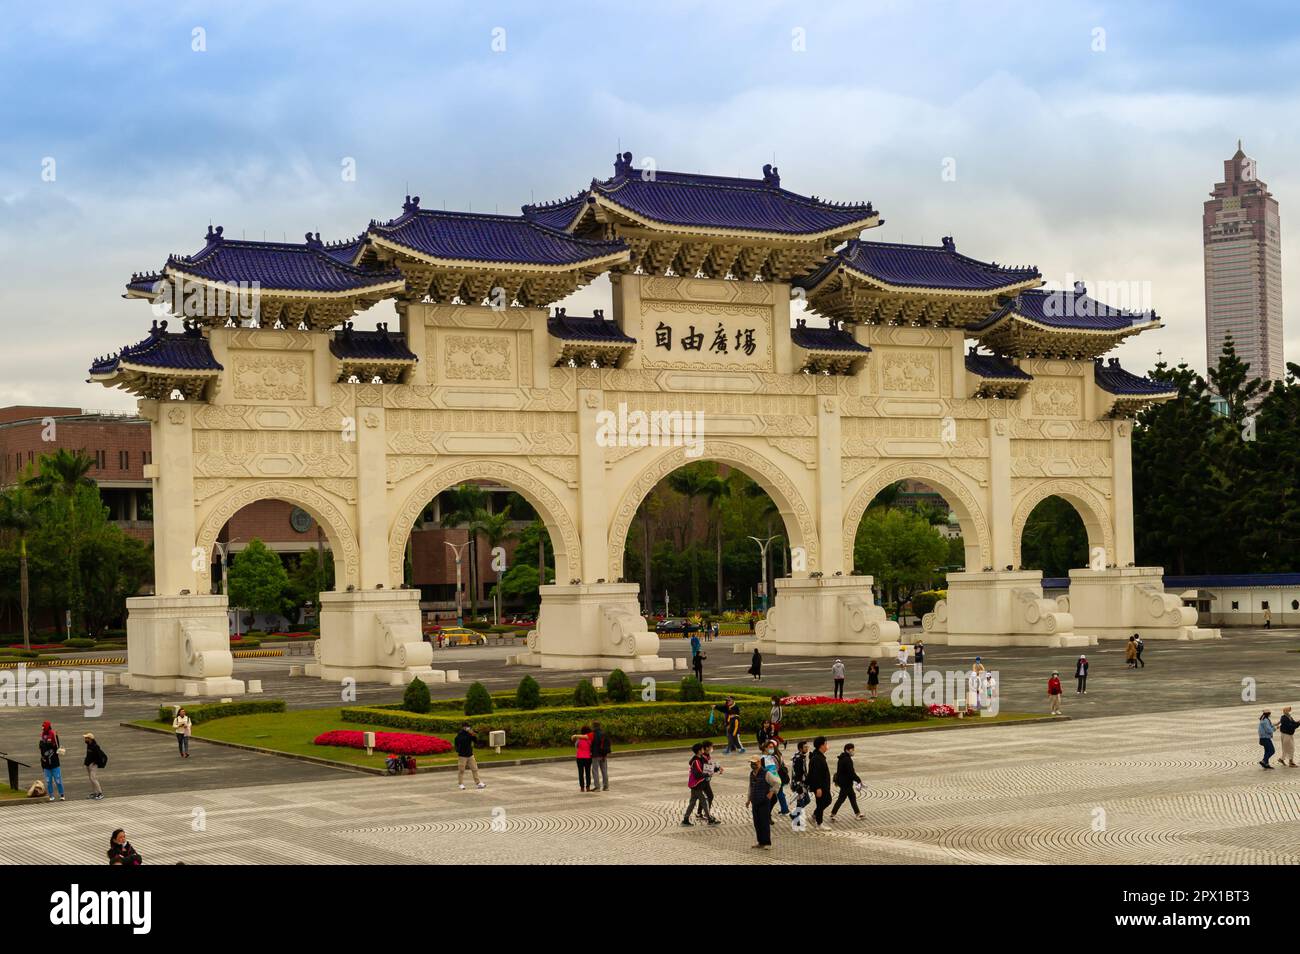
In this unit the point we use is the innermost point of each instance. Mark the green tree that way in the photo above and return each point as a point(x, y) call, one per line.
point(1054, 539)
point(415, 698)
point(461, 505)
point(529, 694)
point(61, 475)
point(478, 701)
point(717, 491)
point(258, 580)
point(692, 482)
point(900, 549)
point(311, 575)
point(18, 516)
point(496, 530)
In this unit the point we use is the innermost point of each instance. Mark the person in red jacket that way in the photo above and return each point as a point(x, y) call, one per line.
point(1054, 692)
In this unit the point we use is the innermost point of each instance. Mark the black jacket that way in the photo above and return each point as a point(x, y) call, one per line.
point(799, 766)
point(92, 753)
point(819, 773)
point(464, 743)
point(845, 774)
point(1287, 725)
point(50, 753)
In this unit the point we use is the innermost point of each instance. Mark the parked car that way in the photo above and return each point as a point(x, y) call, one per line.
point(522, 619)
point(675, 625)
point(455, 636)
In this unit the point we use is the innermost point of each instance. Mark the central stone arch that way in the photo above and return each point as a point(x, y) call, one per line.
point(798, 518)
point(1086, 502)
point(337, 527)
point(970, 515)
point(559, 522)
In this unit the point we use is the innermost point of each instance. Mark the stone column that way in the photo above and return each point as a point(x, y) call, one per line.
point(593, 507)
point(173, 501)
point(372, 498)
point(830, 490)
point(1000, 515)
point(1121, 451)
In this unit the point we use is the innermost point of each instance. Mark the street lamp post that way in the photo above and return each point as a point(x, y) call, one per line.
point(458, 549)
point(762, 551)
point(225, 580)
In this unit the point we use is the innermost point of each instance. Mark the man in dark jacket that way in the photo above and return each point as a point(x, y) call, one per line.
point(464, 744)
point(1287, 726)
point(846, 776)
point(819, 778)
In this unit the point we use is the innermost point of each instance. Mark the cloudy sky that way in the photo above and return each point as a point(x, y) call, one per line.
point(1085, 136)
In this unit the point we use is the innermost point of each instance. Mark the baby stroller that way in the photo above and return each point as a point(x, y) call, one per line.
point(399, 764)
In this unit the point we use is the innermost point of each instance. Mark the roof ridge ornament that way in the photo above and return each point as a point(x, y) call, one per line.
point(214, 235)
point(314, 241)
point(948, 244)
point(622, 164)
point(412, 204)
point(771, 176)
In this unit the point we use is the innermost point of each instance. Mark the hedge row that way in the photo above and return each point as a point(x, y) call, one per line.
point(667, 689)
point(206, 712)
point(633, 721)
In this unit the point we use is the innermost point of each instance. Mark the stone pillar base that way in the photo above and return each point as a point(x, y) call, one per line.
point(1002, 608)
point(1116, 603)
point(593, 626)
point(827, 616)
point(371, 636)
point(179, 644)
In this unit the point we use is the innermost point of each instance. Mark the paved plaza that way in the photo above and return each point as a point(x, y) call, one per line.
point(1170, 788)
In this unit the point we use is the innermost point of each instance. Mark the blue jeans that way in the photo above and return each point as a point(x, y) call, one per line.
point(1267, 743)
point(53, 777)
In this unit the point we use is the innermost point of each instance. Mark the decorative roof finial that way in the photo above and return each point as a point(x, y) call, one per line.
point(412, 203)
point(948, 244)
point(214, 235)
point(623, 164)
point(771, 176)
point(1080, 288)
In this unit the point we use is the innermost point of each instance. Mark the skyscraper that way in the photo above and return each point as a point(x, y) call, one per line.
point(1243, 269)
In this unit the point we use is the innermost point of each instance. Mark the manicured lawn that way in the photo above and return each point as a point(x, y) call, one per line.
point(292, 732)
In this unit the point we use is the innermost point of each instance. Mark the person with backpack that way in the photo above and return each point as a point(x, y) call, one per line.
point(600, 749)
point(837, 675)
point(1287, 726)
point(1137, 642)
point(846, 777)
point(762, 792)
point(773, 763)
point(463, 743)
point(819, 779)
point(96, 759)
point(50, 752)
point(798, 784)
point(182, 725)
point(697, 780)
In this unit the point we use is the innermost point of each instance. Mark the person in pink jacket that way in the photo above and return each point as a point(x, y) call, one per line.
point(582, 751)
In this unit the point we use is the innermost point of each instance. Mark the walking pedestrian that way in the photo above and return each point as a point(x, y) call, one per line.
point(120, 851)
point(1131, 652)
point(1081, 675)
point(1139, 645)
point(819, 779)
point(698, 665)
point(756, 665)
point(600, 749)
point(1054, 692)
point(1266, 738)
point(582, 753)
point(96, 759)
point(873, 678)
point(1287, 726)
point(774, 716)
point(1268, 618)
point(697, 780)
point(761, 794)
point(695, 644)
point(50, 752)
point(837, 674)
point(773, 763)
point(464, 746)
point(182, 725)
point(902, 656)
point(731, 723)
point(846, 777)
point(918, 653)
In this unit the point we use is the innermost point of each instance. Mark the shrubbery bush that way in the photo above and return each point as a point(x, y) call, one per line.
point(416, 696)
point(619, 687)
point(478, 701)
point(692, 690)
point(80, 642)
point(585, 694)
point(220, 710)
point(529, 694)
point(923, 603)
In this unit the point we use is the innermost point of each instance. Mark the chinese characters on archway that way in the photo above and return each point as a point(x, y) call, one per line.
point(721, 341)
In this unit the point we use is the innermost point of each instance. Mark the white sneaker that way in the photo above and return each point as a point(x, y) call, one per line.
point(481, 785)
point(462, 787)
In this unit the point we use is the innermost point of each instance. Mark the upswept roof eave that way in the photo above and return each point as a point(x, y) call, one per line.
point(767, 235)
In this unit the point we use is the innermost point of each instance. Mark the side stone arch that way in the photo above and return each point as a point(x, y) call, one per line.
point(337, 526)
point(559, 522)
point(970, 514)
point(799, 520)
point(1090, 507)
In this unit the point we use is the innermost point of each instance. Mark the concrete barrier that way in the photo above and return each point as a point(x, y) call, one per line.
point(254, 685)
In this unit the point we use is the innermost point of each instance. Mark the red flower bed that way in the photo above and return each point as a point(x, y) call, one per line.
point(937, 710)
point(816, 700)
point(397, 743)
point(37, 646)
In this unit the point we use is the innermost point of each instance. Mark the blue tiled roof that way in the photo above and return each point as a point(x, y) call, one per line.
point(478, 237)
point(825, 339)
point(1062, 309)
point(1115, 380)
point(598, 328)
point(144, 283)
point(288, 266)
point(378, 345)
point(167, 350)
point(995, 367)
point(924, 266)
point(701, 201)
point(1208, 580)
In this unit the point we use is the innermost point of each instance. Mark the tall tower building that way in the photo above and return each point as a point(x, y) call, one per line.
point(1243, 269)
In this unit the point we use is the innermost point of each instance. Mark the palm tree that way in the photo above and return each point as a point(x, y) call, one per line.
point(462, 505)
point(18, 515)
point(716, 490)
point(496, 530)
point(62, 475)
point(692, 482)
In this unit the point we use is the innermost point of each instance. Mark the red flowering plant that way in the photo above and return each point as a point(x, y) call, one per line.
point(395, 743)
point(942, 711)
point(816, 700)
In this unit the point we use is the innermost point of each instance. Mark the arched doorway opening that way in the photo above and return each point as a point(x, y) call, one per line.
point(706, 539)
point(1054, 538)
